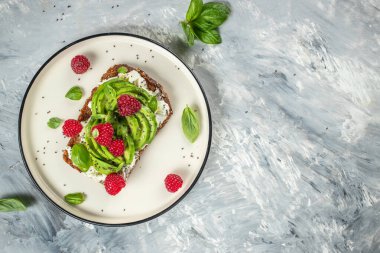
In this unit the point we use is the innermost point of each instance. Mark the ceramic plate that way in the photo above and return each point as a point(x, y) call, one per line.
point(145, 196)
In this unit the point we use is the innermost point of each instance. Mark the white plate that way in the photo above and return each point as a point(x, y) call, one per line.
point(145, 196)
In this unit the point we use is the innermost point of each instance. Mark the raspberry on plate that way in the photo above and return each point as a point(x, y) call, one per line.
point(114, 183)
point(173, 182)
point(80, 64)
point(71, 127)
point(128, 105)
point(116, 148)
point(103, 133)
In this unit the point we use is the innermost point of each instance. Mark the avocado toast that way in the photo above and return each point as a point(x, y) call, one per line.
point(121, 86)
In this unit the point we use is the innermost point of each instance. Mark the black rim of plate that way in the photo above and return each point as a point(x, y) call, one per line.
point(95, 222)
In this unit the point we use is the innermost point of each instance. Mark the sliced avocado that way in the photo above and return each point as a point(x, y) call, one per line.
point(145, 130)
point(134, 127)
point(129, 152)
point(104, 167)
point(149, 115)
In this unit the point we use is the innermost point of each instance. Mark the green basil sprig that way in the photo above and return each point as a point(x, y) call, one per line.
point(81, 157)
point(122, 70)
point(11, 204)
point(75, 93)
point(203, 21)
point(190, 124)
point(75, 198)
point(54, 122)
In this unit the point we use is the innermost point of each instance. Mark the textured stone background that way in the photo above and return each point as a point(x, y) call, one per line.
point(294, 91)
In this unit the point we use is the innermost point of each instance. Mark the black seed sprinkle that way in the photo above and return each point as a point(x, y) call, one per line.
point(203, 49)
point(294, 74)
point(106, 51)
point(90, 68)
point(327, 128)
point(38, 151)
point(48, 112)
point(182, 148)
point(131, 45)
point(188, 165)
point(79, 79)
point(64, 184)
point(61, 18)
point(63, 13)
point(47, 141)
point(43, 97)
point(197, 157)
point(68, 6)
point(112, 8)
point(124, 209)
point(113, 59)
point(57, 19)
point(54, 6)
point(145, 61)
point(114, 45)
point(148, 14)
point(43, 164)
point(117, 5)
point(183, 156)
point(64, 41)
point(56, 142)
point(246, 111)
point(35, 113)
point(36, 158)
point(43, 10)
point(152, 56)
point(55, 152)
point(101, 210)
point(44, 147)
point(44, 153)
point(150, 50)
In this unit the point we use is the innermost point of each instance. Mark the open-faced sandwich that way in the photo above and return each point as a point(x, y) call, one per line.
point(117, 122)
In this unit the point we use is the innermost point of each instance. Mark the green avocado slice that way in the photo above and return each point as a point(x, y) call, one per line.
point(105, 168)
point(129, 152)
point(152, 122)
point(145, 130)
point(134, 127)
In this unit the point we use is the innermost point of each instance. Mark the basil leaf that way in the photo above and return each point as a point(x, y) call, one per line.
point(122, 70)
point(212, 16)
point(194, 10)
point(54, 122)
point(11, 204)
point(75, 198)
point(75, 93)
point(153, 104)
point(188, 30)
point(209, 36)
point(80, 157)
point(190, 124)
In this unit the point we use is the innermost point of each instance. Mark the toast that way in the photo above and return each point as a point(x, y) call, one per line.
point(116, 78)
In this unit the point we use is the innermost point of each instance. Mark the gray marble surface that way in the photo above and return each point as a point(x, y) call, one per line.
point(294, 92)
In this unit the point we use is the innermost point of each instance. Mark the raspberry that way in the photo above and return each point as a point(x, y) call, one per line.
point(114, 183)
point(128, 105)
point(173, 182)
point(102, 134)
point(116, 148)
point(71, 127)
point(80, 64)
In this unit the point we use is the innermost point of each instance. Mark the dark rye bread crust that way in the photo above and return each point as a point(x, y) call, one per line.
point(85, 112)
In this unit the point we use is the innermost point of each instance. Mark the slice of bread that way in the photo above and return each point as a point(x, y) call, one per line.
point(85, 112)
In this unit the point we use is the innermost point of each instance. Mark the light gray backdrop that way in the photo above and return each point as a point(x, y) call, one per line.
point(294, 95)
